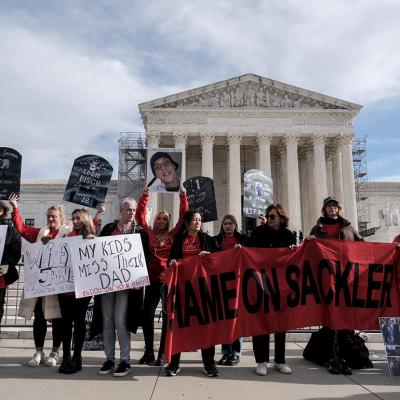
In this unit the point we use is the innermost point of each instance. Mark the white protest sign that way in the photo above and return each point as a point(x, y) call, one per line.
point(3, 234)
point(109, 264)
point(48, 268)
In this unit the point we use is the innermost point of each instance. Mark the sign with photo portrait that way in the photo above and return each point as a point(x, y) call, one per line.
point(10, 172)
point(164, 170)
point(201, 197)
point(257, 193)
point(89, 181)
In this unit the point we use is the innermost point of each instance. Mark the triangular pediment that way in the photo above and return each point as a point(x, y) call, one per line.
point(249, 91)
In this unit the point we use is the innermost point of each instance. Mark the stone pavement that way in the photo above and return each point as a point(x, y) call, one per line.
point(308, 381)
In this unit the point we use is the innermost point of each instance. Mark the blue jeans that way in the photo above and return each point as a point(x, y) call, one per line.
point(114, 307)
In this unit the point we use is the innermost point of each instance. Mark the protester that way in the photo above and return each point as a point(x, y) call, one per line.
point(229, 237)
point(10, 258)
point(331, 225)
point(115, 305)
point(73, 310)
point(44, 308)
point(191, 241)
point(273, 234)
point(160, 242)
point(165, 169)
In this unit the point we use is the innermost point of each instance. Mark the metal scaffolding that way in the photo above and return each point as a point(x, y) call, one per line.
point(360, 180)
point(132, 164)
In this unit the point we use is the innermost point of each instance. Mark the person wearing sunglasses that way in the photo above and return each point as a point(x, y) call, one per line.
point(272, 234)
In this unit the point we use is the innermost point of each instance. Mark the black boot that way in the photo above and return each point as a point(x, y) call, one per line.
point(77, 362)
point(66, 364)
point(148, 358)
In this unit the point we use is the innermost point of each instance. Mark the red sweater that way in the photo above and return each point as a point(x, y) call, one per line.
point(159, 246)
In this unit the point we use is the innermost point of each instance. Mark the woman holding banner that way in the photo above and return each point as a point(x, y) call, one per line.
point(73, 310)
point(273, 234)
point(191, 241)
point(116, 306)
point(11, 255)
point(44, 308)
point(160, 242)
point(229, 237)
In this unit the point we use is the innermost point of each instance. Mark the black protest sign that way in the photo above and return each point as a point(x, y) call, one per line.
point(89, 181)
point(201, 197)
point(10, 172)
point(257, 193)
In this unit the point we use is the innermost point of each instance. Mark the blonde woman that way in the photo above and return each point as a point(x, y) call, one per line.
point(44, 308)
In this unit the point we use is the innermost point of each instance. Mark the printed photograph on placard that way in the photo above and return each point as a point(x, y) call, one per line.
point(257, 193)
point(390, 328)
point(394, 366)
point(164, 169)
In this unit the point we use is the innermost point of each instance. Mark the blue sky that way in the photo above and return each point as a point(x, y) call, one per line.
point(73, 72)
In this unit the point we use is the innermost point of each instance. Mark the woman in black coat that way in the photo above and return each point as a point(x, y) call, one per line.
point(271, 235)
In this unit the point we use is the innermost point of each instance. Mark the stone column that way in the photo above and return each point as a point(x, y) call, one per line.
point(207, 168)
point(304, 200)
point(349, 191)
point(329, 176)
point(320, 180)
point(283, 184)
point(235, 177)
point(264, 151)
point(337, 174)
point(293, 182)
point(180, 139)
point(313, 210)
point(153, 142)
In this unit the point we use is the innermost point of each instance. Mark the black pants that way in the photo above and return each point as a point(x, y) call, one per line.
point(261, 348)
point(40, 327)
point(233, 348)
point(2, 302)
point(207, 356)
point(153, 293)
point(73, 313)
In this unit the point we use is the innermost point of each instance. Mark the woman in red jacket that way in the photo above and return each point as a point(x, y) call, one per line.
point(73, 310)
point(160, 243)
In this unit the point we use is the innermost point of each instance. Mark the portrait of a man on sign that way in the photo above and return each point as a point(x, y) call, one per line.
point(164, 170)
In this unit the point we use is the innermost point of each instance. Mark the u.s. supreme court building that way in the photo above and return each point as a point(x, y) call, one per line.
point(302, 139)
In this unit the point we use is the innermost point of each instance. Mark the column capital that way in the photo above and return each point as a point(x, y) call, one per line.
point(318, 139)
point(291, 138)
point(264, 138)
point(153, 138)
point(345, 139)
point(207, 138)
point(233, 138)
point(180, 139)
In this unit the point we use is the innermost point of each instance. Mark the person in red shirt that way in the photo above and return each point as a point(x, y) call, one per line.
point(44, 308)
point(160, 243)
point(73, 310)
point(192, 241)
point(229, 237)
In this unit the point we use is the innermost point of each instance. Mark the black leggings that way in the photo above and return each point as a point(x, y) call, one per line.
point(40, 327)
point(261, 348)
point(207, 355)
point(153, 293)
point(2, 302)
point(73, 313)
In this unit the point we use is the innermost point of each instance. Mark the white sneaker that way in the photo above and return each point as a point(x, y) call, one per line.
point(53, 359)
point(262, 369)
point(37, 359)
point(282, 368)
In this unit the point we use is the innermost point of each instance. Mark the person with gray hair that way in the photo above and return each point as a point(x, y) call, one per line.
point(116, 319)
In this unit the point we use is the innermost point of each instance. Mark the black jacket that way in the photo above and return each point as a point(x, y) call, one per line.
point(264, 236)
point(11, 254)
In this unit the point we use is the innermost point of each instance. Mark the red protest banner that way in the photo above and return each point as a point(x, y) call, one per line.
point(249, 291)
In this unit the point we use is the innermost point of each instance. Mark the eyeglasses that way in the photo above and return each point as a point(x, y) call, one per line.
point(272, 217)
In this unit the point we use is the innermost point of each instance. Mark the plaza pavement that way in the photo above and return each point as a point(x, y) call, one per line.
point(308, 381)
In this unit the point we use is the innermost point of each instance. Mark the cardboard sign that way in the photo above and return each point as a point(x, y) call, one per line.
point(201, 197)
point(10, 172)
point(390, 328)
point(89, 181)
point(109, 264)
point(257, 193)
point(47, 267)
point(164, 170)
